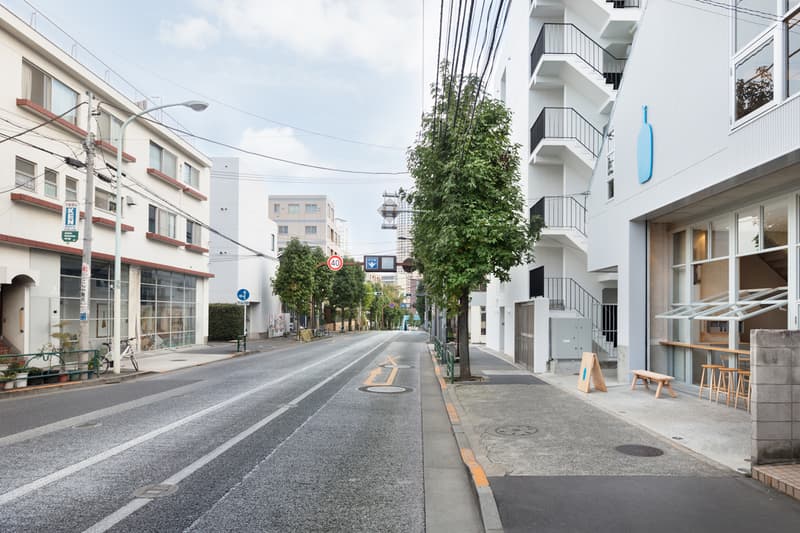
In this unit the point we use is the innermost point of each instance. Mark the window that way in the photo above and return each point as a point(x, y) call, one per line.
point(748, 22)
point(776, 225)
point(793, 56)
point(25, 174)
point(163, 160)
point(720, 236)
point(312, 209)
point(748, 223)
point(191, 176)
point(168, 309)
point(105, 200)
point(161, 222)
point(294, 209)
point(108, 128)
point(50, 183)
point(272, 243)
point(283, 230)
point(71, 190)
point(48, 92)
point(192, 232)
point(311, 230)
point(483, 320)
point(754, 85)
point(610, 184)
point(276, 208)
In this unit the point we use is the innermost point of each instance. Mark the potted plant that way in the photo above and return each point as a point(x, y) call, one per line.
point(9, 377)
point(66, 342)
point(22, 374)
point(35, 376)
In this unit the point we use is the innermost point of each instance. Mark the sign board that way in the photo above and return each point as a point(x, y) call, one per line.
point(69, 236)
point(335, 263)
point(243, 295)
point(380, 263)
point(644, 149)
point(590, 372)
point(69, 216)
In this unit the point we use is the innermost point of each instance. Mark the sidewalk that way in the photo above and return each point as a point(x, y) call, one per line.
point(556, 461)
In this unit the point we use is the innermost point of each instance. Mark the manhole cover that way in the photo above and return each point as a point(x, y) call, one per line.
point(155, 491)
point(88, 425)
point(515, 431)
point(396, 366)
point(639, 450)
point(384, 389)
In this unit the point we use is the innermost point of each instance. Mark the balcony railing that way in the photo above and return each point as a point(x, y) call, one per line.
point(565, 123)
point(566, 294)
point(560, 212)
point(567, 39)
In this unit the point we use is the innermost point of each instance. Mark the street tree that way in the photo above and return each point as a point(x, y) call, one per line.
point(294, 280)
point(348, 289)
point(323, 284)
point(469, 222)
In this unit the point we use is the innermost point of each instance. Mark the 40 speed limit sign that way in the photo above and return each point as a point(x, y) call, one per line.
point(335, 263)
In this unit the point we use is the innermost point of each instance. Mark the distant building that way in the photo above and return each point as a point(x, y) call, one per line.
point(309, 218)
point(238, 211)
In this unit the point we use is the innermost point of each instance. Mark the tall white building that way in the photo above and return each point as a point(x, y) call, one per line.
point(239, 211)
point(164, 210)
point(696, 203)
point(309, 218)
point(559, 70)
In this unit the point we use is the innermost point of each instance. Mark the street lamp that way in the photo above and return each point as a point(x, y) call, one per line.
point(194, 105)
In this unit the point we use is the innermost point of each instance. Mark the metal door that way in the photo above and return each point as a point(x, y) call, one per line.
point(523, 334)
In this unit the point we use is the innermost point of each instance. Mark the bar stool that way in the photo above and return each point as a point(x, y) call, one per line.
point(744, 376)
point(708, 379)
point(725, 383)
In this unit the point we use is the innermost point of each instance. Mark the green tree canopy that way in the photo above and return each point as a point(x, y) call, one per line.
point(294, 281)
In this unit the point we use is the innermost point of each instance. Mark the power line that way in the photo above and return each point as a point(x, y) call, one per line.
point(45, 123)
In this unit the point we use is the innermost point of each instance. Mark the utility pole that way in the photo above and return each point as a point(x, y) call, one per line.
point(86, 262)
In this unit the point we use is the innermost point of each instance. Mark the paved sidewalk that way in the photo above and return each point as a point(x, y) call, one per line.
point(553, 464)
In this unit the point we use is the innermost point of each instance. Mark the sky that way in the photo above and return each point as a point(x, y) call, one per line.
point(274, 72)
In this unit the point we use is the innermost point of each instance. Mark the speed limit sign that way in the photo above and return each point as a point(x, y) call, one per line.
point(335, 263)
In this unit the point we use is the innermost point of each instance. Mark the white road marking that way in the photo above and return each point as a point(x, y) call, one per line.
point(136, 504)
point(116, 450)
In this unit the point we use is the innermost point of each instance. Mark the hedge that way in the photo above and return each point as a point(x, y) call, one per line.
point(225, 321)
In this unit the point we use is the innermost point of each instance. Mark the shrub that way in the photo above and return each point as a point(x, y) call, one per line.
point(225, 321)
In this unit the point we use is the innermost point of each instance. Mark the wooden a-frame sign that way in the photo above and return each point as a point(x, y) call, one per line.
point(590, 372)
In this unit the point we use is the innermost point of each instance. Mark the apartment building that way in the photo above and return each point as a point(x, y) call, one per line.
point(308, 218)
point(164, 207)
point(695, 205)
point(237, 211)
point(560, 68)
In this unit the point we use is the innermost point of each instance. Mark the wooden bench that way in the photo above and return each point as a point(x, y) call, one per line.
point(647, 376)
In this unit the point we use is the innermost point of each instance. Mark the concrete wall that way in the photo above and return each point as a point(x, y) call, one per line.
point(775, 402)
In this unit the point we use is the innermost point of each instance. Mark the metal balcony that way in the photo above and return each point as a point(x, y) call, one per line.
point(563, 127)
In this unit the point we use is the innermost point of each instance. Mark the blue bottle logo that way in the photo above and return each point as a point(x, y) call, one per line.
point(644, 149)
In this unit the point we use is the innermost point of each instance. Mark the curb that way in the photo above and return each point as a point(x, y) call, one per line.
point(58, 387)
point(480, 484)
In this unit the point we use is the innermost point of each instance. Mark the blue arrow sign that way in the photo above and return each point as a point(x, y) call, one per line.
point(372, 263)
point(243, 295)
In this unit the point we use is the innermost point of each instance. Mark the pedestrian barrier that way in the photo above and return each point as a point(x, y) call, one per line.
point(241, 343)
point(44, 368)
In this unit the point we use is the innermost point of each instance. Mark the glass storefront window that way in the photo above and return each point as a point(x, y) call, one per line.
point(699, 243)
point(720, 237)
point(776, 225)
point(679, 248)
point(793, 57)
point(748, 226)
point(168, 309)
point(754, 85)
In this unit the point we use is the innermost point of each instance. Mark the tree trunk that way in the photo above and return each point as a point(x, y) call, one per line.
point(463, 334)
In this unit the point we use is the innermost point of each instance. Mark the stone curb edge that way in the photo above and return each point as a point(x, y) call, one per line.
point(480, 484)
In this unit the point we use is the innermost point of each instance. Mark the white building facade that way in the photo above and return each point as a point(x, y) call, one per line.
point(309, 218)
point(239, 211)
point(165, 206)
point(698, 212)
point(562, 63)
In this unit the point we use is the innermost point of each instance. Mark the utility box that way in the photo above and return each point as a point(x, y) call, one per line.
point(570, 337)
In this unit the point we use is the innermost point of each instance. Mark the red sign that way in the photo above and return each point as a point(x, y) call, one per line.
point(335, 263)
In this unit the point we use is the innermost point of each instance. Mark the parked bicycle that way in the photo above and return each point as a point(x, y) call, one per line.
point(127, 351)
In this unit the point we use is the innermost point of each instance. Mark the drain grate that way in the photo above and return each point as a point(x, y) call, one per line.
point(385, 389)
point(88, 425)
point(639, 450)
point(517, 430)
point(155, 491)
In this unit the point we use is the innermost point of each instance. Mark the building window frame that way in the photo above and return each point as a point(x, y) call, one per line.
point(193, 232)
point(24, 178)
point(310, 230)
point(293, 209)
point(50, 183)
point(190, 175)
point(70, 189)
point(162, 222)
point(283, 230)
point(50, 93)
point(163, 160)
point(105, 200)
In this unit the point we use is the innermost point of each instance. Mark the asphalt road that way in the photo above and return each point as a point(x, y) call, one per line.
point(280, 441)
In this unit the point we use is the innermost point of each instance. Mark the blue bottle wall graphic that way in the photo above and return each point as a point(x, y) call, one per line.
point(644, 149)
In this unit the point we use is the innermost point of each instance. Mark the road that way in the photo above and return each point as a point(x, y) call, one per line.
point(287, 440)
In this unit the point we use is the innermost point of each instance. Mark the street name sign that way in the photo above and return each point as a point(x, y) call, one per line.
point(335, 262)
point(380, 263)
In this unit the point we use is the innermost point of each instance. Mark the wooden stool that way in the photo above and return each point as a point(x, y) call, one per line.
point(707, 379)
point(725, 384)
point(744, 375)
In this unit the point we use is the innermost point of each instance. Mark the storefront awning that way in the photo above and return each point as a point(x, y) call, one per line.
point(750, 303)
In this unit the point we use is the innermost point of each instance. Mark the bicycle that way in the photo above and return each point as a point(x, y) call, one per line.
point(126, 352)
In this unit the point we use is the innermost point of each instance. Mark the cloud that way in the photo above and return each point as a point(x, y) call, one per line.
point(278, 142)
point(193, 32)
point(384, 34)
